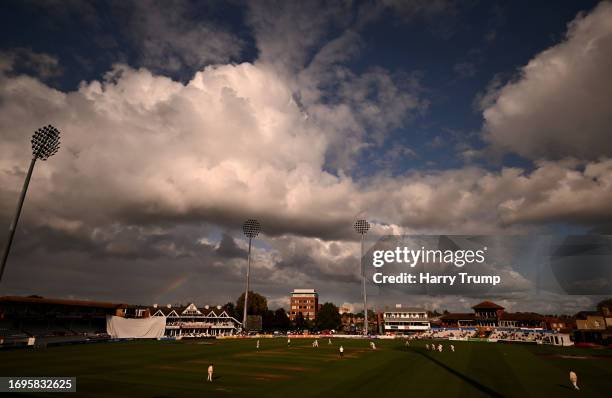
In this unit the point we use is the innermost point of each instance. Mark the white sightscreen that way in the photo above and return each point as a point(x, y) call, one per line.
point(139, 328)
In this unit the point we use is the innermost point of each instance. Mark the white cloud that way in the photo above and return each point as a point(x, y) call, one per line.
point(143, 149)
point(560, 104)
point(561, 192)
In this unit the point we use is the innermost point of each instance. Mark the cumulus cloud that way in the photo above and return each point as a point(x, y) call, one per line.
point(309, 45)
point(151, 169)
point(560, 104)
point(561, 192)
point(315, 259)
point(142, 152)
point(142, 149)
point(359, 110)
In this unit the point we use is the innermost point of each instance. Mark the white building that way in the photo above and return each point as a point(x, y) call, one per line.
point(405, 320)
point(191, 321)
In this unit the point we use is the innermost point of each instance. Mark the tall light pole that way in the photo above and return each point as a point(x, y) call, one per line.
point(45, 143)
point(362, 227)
point(251, 229)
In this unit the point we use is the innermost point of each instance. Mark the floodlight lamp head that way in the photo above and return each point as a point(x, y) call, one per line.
point(45, 142)
point(251, 228)
point(361, 226)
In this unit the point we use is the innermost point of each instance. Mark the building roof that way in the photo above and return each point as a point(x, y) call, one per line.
point(458, 317)
point(52, 301)
point(487, 305)
point(406, 309)
point(304, 291)
point(204, 312)
point(521, 316)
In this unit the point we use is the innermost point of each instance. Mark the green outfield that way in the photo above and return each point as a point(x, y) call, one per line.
point(178, 369)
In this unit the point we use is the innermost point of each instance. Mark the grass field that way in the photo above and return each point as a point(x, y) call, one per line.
point(178, 369)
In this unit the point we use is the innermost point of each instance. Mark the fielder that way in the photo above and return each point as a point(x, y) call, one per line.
point(574, 379)
point(328, 341)
point(452, 348)
point(210, 373)
point(427, 347)
point(258, 344)
point(440, 347)
point(341, 349)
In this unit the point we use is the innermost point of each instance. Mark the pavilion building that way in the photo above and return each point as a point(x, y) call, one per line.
point(191, 321)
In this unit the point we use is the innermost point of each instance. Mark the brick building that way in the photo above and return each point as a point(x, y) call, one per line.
point(305, 301)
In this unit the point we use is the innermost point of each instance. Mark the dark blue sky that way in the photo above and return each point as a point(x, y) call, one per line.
point(493, 38)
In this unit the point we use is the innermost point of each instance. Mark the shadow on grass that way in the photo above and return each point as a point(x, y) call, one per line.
point(467, 379)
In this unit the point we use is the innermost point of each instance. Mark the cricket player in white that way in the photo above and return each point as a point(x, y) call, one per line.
point(427, 347)
point(210, 372)
point(258, 344)
point(328, 341)
point(574, 379)
point(341, 349)
point(440, 347)
point(452, 348)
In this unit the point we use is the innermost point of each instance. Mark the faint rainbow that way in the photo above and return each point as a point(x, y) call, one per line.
point(175, 284)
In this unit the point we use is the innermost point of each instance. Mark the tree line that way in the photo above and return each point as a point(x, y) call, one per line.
point(328, 317)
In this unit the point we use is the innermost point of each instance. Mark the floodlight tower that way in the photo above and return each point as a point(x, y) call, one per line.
point(45, 143)
point(362, 227)
point(251, 229)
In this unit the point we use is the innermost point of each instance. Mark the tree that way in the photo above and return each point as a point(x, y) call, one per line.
point(371, 315)
point(230, 309)
point(257, 304)
point(267, 320)
point(299, 322)
point(281, 320)
point(604, 303)
point(607, 303)
point(328, 317)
